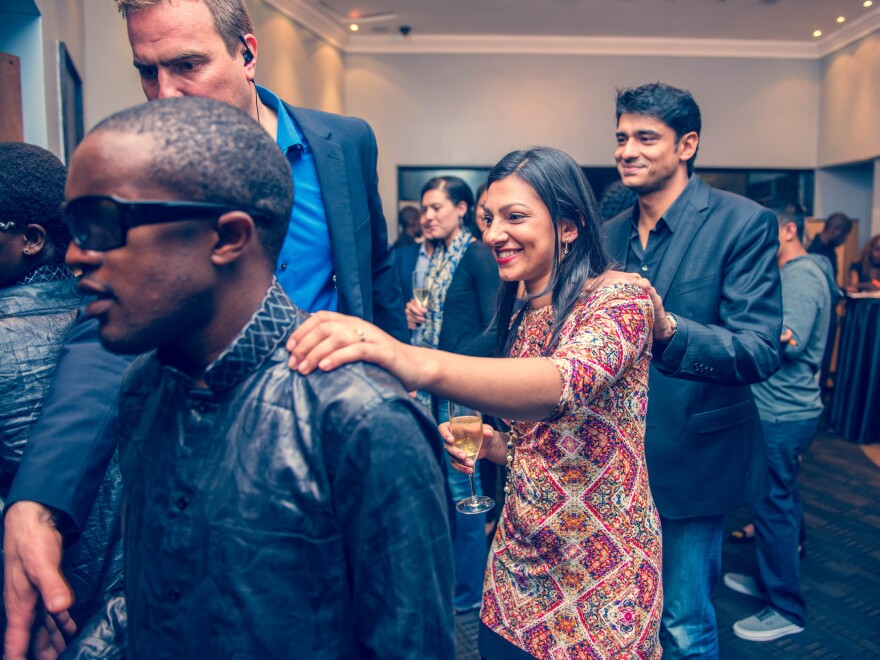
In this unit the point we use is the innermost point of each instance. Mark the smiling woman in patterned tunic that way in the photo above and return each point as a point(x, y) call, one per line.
point(575, 568)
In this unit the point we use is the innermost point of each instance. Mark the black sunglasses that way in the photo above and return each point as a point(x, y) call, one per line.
point(101, 222)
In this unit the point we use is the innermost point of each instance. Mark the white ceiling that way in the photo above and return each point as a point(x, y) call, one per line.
point(509, 25)
point(785, 20)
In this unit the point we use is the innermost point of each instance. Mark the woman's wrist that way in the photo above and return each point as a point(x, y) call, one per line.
point(497, 450)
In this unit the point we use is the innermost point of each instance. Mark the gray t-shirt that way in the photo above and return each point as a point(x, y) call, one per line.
point(808, 294)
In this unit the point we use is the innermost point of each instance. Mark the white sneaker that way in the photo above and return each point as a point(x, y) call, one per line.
point(742, 584)
point(765, 626)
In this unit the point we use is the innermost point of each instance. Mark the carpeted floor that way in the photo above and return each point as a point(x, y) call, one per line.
point(840, 574)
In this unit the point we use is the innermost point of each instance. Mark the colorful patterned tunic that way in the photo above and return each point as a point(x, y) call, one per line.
point(574, 570)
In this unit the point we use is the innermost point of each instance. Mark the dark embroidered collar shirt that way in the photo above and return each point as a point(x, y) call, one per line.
point(646, 260)
point(276, 515)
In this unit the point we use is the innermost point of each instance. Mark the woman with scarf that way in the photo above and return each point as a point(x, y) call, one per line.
point(462, 282)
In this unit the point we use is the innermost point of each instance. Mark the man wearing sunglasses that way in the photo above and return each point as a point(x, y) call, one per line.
point(266, 513)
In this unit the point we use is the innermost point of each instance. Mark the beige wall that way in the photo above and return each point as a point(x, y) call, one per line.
point(63, 23)
point(296, 65)
point(472, 109)
point(32, 31)
point(850, 104)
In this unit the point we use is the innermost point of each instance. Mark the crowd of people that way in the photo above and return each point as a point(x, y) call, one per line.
point(207, 336)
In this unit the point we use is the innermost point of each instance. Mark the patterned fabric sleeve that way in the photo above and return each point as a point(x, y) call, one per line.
point(599, 345)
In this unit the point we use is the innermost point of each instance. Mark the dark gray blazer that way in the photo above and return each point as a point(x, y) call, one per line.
point(345, 155)
point(719, 278)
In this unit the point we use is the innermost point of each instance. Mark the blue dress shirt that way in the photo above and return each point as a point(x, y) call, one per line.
point(305, 265)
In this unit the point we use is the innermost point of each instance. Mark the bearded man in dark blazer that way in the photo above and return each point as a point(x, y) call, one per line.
point(708, 260)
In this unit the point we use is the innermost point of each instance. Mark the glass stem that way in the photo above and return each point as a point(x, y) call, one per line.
point(473, 485)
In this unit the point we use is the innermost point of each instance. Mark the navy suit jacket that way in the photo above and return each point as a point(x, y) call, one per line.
point(719, 278)
point(344, 149)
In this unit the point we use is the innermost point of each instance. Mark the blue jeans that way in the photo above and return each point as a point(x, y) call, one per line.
point(691, 568)
point(468, 535)
point(778, 517)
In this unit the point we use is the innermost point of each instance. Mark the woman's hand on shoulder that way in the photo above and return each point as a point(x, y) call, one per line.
point(327, 340)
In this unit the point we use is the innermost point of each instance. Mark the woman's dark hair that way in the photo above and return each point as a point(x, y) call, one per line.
point(868, 265)
point(483, 188)
point(565, 191)
point(457, 191)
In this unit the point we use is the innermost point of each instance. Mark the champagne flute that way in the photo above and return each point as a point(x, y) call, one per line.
point(466, 425)
point(421, 287)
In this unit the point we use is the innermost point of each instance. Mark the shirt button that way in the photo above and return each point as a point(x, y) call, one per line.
point(334, 279)
point(644, 269)
point(202, 407)
point(172, 594)
point(283, 267)
point(182, 503)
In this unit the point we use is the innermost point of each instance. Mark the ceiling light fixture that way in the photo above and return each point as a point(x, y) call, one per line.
point(355, 15)
point(817, 33)
point(354, 27)
point(867, 3)
point(841, 19)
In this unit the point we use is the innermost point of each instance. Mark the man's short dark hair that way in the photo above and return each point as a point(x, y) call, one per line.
point(31, 191)
point(208, 151)
point(841, 219)
point(674, 107)
point(787, 210)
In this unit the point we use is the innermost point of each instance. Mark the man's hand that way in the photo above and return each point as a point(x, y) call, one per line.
point(663, 328)
point(32, 548)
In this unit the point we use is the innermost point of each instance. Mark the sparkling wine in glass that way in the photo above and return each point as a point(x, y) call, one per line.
point(421, 287)
point(420, 293)
point(466, 425)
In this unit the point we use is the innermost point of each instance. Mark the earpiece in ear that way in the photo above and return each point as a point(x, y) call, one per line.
point(248, 55)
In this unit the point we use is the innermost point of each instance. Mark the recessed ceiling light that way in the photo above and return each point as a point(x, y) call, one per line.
point(354, 27)
point(841, 19)
point(817, 33)
point(867, 3)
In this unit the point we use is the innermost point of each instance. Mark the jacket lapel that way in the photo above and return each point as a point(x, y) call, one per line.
point(617, 234)
point(330, 166)
point(691, 220)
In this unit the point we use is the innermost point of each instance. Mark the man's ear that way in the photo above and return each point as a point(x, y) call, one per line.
point(688, 144)
point(251, 64)
point(34, 240)
point(236, 234)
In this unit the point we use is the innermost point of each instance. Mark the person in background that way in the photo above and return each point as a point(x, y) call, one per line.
point(38, 296)
point(409, 228)
point(789, 404)
point(38, 314)
point(574, 570)
point(616, 198)
point(833, 235)
point(267, 513)
point(864, 274)
point(462, 282)
point(478, 208)
point(825, 243)
point(708, 260)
